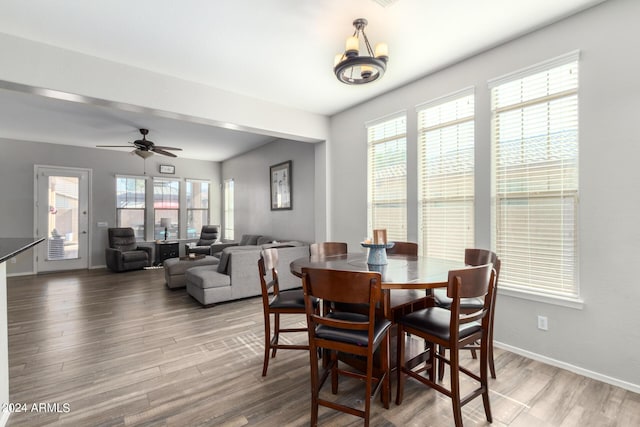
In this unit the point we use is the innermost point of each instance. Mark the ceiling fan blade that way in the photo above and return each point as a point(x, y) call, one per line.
point(116, 146)
point(161, 151)
point(167, 148)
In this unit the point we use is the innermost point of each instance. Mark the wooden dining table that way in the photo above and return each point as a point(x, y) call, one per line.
point(400, 277)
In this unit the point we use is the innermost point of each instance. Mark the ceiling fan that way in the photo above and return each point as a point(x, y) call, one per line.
point(145, 148)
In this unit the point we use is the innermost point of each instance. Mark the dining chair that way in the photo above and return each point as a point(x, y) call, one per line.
point(343, 332)
point(474, 257)
point(327, 249)
point(403, 248)
point(281, 302)
point(451, 329)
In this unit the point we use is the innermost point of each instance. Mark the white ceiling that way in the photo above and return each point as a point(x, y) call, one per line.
point(280, 51)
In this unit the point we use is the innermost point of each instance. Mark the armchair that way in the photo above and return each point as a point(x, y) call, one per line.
point(124, 253)
point(208, 236)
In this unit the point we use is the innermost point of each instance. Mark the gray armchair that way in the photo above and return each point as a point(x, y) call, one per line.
point(123, 253)
point(208, 236)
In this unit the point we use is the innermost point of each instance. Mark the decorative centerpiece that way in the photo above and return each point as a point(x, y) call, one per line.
point(377, 248)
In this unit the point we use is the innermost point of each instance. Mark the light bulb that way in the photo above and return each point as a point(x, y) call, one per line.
point(382, 51)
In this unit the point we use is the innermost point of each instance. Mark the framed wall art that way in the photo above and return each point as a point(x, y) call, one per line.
point(281, 185)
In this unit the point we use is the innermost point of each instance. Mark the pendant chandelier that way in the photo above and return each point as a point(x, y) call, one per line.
point(355, 69)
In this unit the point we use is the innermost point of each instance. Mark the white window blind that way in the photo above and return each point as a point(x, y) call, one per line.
point(446, 176)
point(387, 177)
point(535, 182)
point(228, 209)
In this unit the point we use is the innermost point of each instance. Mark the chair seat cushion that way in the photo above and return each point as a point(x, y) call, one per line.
point(442, 300)
point(434, 321)
point(133, 256)
point(206, 277)
point(360, 338)
point(293, 298)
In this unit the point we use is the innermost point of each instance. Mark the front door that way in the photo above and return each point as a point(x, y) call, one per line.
point(62, 218)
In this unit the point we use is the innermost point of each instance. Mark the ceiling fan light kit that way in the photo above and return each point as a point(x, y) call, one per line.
point(352, 68)
point(145, 148)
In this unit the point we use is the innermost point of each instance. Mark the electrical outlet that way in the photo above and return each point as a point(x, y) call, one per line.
point(543, 323)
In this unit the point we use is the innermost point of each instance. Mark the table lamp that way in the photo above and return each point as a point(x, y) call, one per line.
point(165, 222)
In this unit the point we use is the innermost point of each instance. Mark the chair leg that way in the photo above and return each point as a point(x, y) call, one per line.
point(267, 343)
point(400, 365)
point(454, 366)
point(333, 356)
point(441, 352)
point(276, 333)
point(484, 382)
point(313, 356)
point(367, 395)
point(492, 366)
point(384, 368)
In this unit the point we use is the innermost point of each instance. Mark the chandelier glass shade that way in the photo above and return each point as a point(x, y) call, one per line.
point(353, 68)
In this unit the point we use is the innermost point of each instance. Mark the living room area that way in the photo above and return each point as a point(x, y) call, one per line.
point(126, 349)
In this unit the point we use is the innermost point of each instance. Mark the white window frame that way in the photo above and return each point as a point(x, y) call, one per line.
point(228, 208)
point(189, 210)
point(539, 285)
point(143, 209)
point(391, 178)
point(156, 218)
point(446, 175)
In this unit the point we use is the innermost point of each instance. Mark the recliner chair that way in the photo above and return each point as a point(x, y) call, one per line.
point(208, 236)
point(123, 253)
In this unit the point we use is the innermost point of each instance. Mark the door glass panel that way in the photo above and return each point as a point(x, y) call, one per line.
point(63, 223)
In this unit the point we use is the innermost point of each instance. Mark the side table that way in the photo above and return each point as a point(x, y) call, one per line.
point(166, 249)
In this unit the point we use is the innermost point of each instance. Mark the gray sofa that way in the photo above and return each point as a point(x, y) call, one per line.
point(236, 275)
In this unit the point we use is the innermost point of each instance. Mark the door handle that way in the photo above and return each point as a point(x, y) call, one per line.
point(84, 232)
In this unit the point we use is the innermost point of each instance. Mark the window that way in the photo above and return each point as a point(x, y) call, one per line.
point(446, 176)
point(387, 177)
point(130, 204)
point(535, 173)
point(166, 205)
point(197, 206)
point(228, 209)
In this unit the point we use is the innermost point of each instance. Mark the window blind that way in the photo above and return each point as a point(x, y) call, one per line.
point(535, 178)
point(387, 177)
point(446, 176)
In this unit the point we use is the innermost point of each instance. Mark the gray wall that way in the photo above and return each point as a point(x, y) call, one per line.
point(250, 173)
point(599, 339)
point(17, 162)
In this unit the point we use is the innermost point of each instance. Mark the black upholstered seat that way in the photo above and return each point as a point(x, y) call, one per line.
point(123, 253)
point(209, 235)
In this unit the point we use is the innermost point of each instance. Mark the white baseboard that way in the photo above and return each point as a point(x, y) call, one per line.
point(26, 273)
point(5, 418)
point(571, 368)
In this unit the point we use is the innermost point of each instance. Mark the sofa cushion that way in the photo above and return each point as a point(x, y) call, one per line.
point(263, 240)
point(207, 277)
point(225, 257)
point(133, 256)
point(249, 239)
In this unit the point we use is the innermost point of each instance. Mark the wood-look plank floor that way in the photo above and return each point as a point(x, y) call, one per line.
point(124, 350)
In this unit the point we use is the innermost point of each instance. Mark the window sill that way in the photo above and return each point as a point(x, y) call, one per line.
point(575, 303)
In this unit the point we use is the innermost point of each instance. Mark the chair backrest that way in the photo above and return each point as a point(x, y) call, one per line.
point(481, 257)
point(268, 262)
point(209, 235)
point(403, 248)
point(327, 249)
point(351, 287)
point(122, 238)
point(471, 282)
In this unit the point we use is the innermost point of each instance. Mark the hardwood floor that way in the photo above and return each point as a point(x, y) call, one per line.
point(124, 350)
